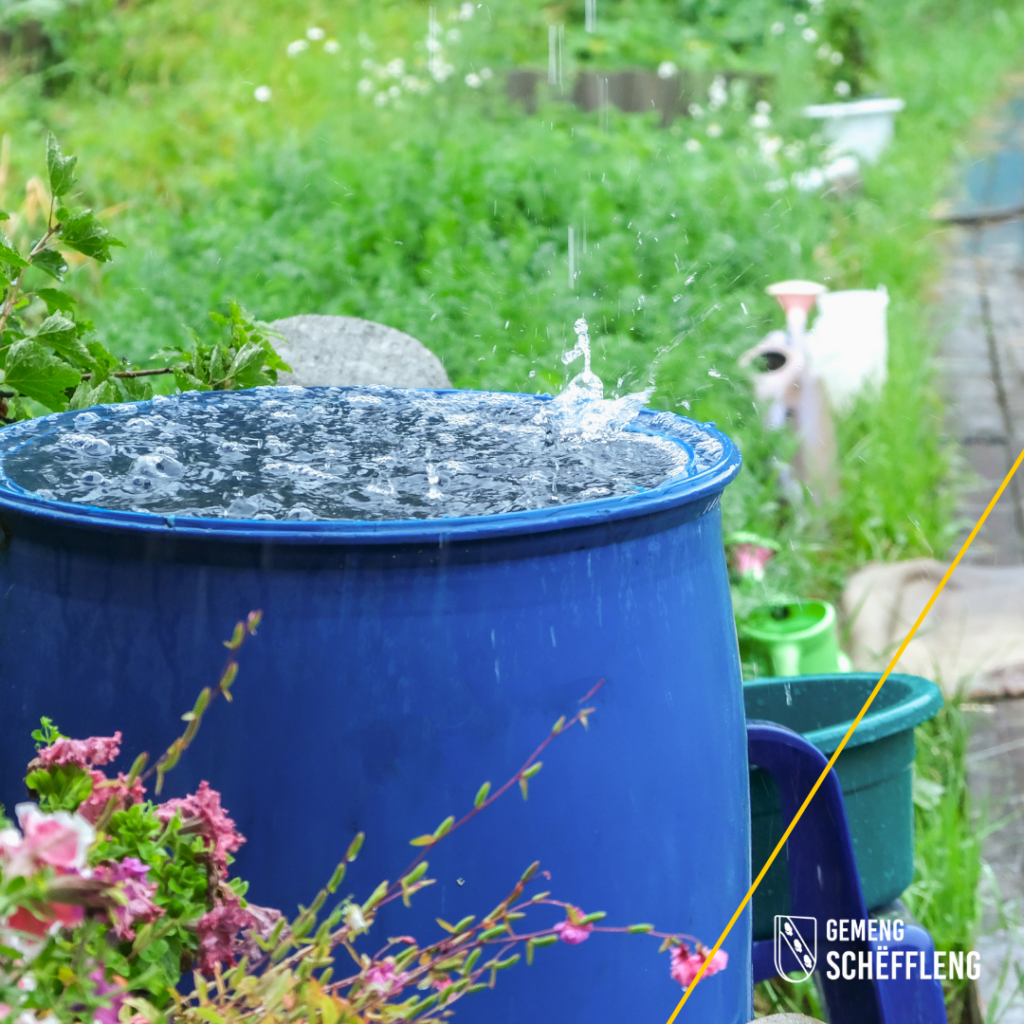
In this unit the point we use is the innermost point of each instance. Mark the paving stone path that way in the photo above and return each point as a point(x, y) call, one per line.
point(981, 361)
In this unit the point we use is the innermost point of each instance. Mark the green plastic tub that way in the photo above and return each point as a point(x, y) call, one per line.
point(874, 770)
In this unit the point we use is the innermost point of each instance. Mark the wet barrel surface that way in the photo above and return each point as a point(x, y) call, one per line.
point(401, 664)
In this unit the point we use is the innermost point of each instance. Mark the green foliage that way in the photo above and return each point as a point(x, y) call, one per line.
point(51, 357)
point(243, 356)
point(948, 842)
point(847, 30)
point(47, 734)
point(178, 866)
point(61, 788)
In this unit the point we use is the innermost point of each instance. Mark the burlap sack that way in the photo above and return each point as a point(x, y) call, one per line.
point(973, 636)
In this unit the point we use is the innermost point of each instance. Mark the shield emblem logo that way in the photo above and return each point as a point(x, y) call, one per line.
point(796, 945)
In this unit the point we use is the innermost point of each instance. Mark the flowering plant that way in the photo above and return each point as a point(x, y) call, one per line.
point(107, 899)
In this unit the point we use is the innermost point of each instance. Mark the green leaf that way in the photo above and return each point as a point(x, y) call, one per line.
point(55, 300)
point(9, 254)
point(88, 394)
point(51, 262)
point(85, 234)
point(189, 382)
point(61, 334)
point(354, 847)
point(61, 168)
point(532, 770)
point(33, 371)
point(416, 874)
point(444, 828)
point(639, 929)
point(422, 841)
point(246, 368)
point(481, 795)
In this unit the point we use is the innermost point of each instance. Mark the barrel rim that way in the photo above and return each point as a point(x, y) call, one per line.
point(670, 494)
point(923, 702)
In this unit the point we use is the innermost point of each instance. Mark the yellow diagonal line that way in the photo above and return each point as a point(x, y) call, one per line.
point(849, 732)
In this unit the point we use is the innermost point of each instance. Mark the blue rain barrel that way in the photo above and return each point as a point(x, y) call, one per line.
point(401, 664)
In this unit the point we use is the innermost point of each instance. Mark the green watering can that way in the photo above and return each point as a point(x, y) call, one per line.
point(795, 639)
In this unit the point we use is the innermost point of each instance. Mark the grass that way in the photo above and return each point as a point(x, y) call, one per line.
point(948, 845)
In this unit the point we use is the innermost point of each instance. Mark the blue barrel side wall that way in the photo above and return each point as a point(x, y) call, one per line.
point(379, 695)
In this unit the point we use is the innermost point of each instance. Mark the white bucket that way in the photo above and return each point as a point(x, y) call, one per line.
point(848, 346)
point(864, 127)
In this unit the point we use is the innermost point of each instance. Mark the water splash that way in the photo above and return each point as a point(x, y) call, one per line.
point(582, 404)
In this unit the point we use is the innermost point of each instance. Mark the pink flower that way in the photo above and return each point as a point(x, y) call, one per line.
point(88, 753)
point(203, 813)
point(218, 929)
point(686, 965)
point(106, 1014)
point(130, 877)
point(93, 806)
point(263, 920)
point(23, 920)
point(440, 984)
point(59, 840)
point(574, 934)
point(752, 558)
point(382, 977)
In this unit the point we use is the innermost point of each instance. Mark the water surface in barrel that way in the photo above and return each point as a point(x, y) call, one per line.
point(345, 453)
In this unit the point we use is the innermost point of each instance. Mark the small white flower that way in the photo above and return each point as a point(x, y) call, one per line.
point(466, 11)
point(794, 150)
point(718, 94)
point(316, 34)
point(453, 35)
point(810, 180)
point(354, 918)
point(365, 87)
point(770, 146)
point(332, 46)
point(412, 84)
point(262, 93)
point(714, 130)
point(27, 982)
point(761, 121)
point(823, 51)
point(777, 28)
point(836, 58)
point(800, 19)
point(692, 146)
point(433, 45)
point(486, 74)
point(368, 65)
point(441, 70)
point(666, 69)
point(842, 88)
point(395, 91)
point(695, 110)
point(295, 48)
point(364, 41)
point(380, 99)
point(810, 36)
point(776, 186)
point(395, 68)
point(763, 107)
point(473, 80)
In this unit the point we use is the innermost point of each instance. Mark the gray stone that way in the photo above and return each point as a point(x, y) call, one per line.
point(342, 350)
